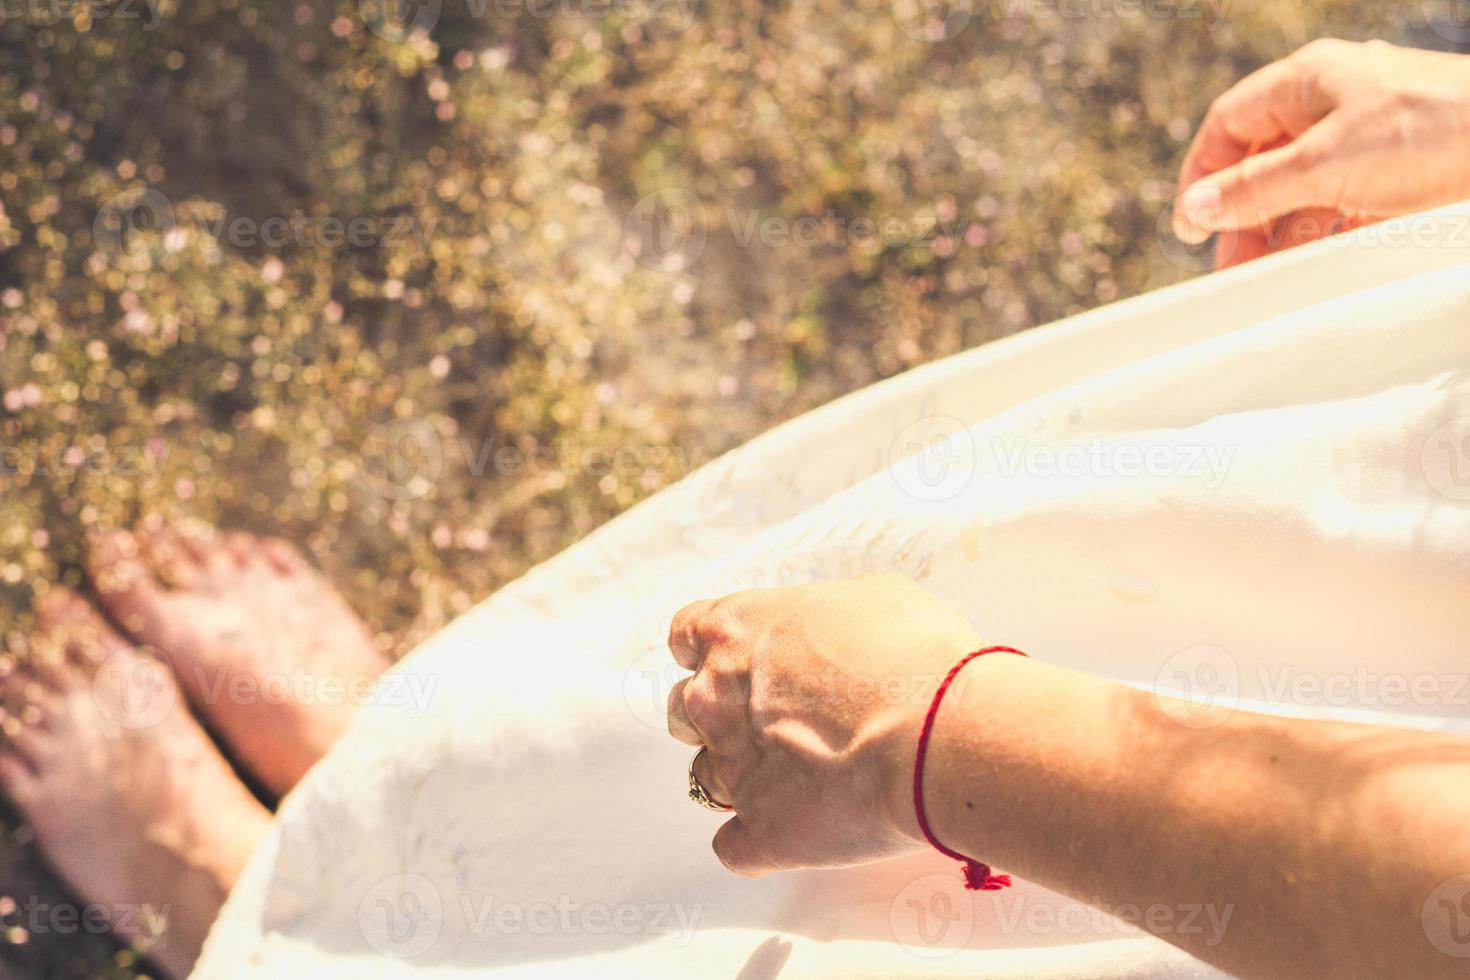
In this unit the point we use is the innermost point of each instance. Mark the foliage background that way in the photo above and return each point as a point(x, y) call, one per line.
point(1029, 157)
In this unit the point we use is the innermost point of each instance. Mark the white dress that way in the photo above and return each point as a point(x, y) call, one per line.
point(1253, 488)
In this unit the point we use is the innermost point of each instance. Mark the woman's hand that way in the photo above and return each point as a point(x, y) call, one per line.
point(1347, 134)
point(810, 700)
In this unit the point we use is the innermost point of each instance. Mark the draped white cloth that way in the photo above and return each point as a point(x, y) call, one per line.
point(1253, 488)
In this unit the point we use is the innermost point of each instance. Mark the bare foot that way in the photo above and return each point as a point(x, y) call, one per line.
point(266, 650)
point(129, 799)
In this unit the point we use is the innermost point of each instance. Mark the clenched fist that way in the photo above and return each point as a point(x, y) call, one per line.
point(810, 701)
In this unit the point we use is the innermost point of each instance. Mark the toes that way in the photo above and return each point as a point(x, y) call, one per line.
point(194, 556)
point(271, 555)
point(178, 560)
point(28, 695)
point(243, 549)
point(18, 672)
point(133, 572)
point(25, 704)
point(61, 612)
point(40, 662)
point(219, 555)
point(70, 626)
point(71, 656)
point(117, 563)
point(62, 608)
point(26, 740)
point(282, 556)
point(126, 586)
point(12, 673)
point(17, 776)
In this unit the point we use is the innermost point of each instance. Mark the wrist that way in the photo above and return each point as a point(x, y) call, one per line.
point(965, 719)
point(896, 792)
point(972, 724)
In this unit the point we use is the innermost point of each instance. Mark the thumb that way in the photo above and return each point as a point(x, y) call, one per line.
point(740, 850)
point(1256, 191)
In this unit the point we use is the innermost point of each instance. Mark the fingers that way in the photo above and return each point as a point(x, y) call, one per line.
point(679, 724)
point(717, 775)
point(687, 633)
point(1275, 104)
point(712, 708)
point(1227, 186)
point(708, 624)
point(740, 850)
point(1262, 188)
point(1234, 248)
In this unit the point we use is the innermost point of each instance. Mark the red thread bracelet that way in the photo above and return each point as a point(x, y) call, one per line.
point(977, 874)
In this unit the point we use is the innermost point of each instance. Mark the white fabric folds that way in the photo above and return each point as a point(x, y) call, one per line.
point(1253, 488)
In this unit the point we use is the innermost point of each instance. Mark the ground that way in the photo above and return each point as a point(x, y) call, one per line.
point(434, 299)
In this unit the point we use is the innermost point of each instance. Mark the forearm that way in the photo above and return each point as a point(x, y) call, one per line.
point(1320, 841)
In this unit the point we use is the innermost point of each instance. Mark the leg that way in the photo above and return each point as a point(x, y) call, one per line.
point(129, 799)
point(269, 655)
